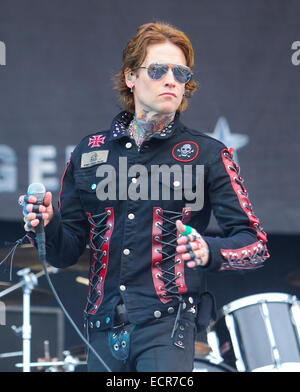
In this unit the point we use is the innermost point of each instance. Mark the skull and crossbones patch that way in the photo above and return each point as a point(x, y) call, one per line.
point(185, 151)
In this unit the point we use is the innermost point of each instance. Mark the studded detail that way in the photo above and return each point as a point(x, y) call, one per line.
point(120, 127)
point(178, 339)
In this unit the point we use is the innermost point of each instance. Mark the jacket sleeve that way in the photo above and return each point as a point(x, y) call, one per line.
point(243, 245)
point(67, 232)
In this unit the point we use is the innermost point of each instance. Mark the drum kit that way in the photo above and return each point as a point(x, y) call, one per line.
point(257, 333)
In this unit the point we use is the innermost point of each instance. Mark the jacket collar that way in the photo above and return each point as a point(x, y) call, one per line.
point(121, 122)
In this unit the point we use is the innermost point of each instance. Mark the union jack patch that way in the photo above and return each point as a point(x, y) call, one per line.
point(96, 141)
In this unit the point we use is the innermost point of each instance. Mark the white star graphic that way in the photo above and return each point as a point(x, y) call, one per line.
point(223, 133)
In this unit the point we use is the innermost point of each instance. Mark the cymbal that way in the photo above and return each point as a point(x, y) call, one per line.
point(293, 278)
point(16, 297)
point(26, 255)
point(201, 349)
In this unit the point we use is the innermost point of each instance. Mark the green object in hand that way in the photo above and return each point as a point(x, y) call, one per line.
point(187, 231)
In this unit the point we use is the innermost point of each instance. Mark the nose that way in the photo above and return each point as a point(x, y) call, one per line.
point(169, 79)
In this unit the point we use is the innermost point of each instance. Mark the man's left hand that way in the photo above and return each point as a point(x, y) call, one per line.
point(192, 247)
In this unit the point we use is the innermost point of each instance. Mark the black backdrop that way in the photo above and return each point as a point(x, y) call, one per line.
point(55, 88)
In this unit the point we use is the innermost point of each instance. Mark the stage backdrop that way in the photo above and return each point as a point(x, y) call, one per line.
point(57, 59)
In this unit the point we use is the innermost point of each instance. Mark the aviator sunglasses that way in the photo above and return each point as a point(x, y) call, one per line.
point(181, 73)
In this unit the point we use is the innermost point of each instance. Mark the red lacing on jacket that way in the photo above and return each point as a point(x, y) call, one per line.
point(251, 256)
point(167, 264)
point(101, 228)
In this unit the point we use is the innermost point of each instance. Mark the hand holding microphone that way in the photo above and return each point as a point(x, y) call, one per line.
point(37, 206)
point(38, 212)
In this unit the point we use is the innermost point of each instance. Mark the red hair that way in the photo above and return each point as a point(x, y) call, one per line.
point(135, 53)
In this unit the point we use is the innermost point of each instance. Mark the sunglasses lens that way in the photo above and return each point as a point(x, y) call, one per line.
point(182, 73)
point(156, 71)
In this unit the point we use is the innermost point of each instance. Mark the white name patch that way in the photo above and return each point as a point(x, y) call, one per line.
point(94, 158)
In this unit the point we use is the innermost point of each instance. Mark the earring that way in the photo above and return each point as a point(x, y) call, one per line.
point(131, 89)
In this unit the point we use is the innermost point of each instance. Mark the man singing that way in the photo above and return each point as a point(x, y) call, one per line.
point(127, 192)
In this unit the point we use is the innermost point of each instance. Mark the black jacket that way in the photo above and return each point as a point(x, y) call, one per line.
point(133, 237)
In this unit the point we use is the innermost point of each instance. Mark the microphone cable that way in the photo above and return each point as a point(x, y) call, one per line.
point(42, 256)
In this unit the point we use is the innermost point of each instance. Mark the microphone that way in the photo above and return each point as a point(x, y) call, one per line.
point(38, 190)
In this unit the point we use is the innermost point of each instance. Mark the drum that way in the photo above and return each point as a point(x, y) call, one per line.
point(259, 333)
point(207, 366)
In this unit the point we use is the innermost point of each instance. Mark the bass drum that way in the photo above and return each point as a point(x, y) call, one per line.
point(260, 333)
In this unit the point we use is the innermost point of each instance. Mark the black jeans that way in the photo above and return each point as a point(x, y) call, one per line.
point(145, 348)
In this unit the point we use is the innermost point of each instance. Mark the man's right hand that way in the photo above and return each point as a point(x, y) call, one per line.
point(45, 209)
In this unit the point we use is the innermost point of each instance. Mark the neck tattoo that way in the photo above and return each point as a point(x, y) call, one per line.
point(144, 125)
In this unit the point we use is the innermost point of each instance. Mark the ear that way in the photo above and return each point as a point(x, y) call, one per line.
point(130, 78)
